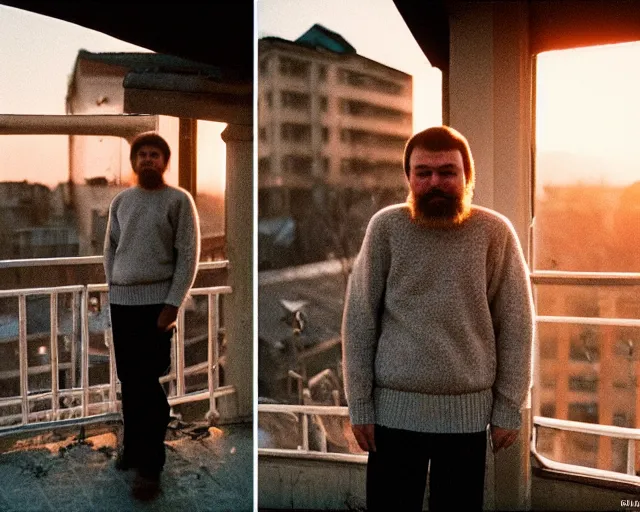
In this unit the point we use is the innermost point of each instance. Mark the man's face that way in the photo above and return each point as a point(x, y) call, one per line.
point(437, 183)
point(149, 165)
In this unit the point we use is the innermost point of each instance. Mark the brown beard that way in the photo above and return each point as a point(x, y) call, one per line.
point(150, 179)
point(448, 213)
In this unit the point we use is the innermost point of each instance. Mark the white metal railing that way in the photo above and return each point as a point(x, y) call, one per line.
point(54, 404)
point(537, 278)
point(301, 414)
point(89, 260)
point(631, 435)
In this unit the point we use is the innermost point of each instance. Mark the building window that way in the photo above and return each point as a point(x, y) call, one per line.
point(588, 383)
point(264, 165)
point(585, 412)
point(295, 100)
point(325, 134)
point(295, 132)
point(620, 419)
point(325, 165)
point(366, 81)
point(585, 346)
point(263, 67)
point(362, 166)
point(323, 103)
point(263, 134)
point(269, 97)
point(548, 410)
point(294, 67)
point(625, 347)
point(322, 73)
point(370, 110)
point(297, 164)
point(272, 202)
point(369, 138)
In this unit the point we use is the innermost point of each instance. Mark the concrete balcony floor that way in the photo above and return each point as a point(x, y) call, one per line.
point(207, 469)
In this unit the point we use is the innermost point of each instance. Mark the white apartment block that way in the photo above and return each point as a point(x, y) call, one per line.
point(327, 117)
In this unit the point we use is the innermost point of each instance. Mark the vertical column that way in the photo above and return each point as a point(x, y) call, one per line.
point(187, 155)
point(489, 94)
point(470, 88)
point(239, 235)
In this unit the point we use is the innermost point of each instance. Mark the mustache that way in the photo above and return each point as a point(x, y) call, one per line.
point(436, 192)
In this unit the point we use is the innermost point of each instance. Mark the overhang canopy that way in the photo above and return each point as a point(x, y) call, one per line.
point(553, 24)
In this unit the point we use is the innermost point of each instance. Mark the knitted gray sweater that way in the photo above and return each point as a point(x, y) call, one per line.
point(152, 246)
point(438, 325)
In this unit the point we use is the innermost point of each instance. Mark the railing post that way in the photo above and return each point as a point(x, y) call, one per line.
point(213, 355)
point(631, 457)
point(305, 432)
point(53, 359)
point(84, 345)
point(24, 363)
point(74, 339)
point(108, 336)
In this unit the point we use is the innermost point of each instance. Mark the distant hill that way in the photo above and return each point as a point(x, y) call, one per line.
point(564, 168)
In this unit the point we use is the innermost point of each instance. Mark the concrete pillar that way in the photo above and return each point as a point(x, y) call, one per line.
point(490, 102)
point(188, 155)
point(238, 312)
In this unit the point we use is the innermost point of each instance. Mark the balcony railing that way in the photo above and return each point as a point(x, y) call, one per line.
point(76, 345)
point(631, 435)
point(587, 279)
point(301, 413)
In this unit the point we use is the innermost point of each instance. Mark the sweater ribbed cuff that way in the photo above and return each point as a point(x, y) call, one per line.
point(504, 414)
point(361, 412)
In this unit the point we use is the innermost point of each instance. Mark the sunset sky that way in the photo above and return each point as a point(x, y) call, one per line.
point(588, 105)
point(38, 54)
point(587, 101)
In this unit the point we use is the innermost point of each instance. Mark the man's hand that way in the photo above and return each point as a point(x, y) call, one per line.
point(364, 436)
point(502, 437)
point(167, 318)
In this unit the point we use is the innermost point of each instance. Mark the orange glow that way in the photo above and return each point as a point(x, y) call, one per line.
point(211, 158)
point(587, 105)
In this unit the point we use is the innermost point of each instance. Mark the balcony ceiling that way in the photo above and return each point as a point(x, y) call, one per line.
point(219, 34)
point(553, 25)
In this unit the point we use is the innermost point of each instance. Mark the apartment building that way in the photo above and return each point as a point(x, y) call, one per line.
point(99, 166)
point(588, 372)
point(332, 126)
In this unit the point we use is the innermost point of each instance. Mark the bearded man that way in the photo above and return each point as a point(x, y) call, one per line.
point(151, 253)
point(437, 335)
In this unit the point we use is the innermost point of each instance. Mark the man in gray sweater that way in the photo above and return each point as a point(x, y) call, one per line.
point(151, 253)
point(437, 335)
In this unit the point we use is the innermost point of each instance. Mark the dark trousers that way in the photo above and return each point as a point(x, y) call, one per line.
point(143, 355)
point(397, 471)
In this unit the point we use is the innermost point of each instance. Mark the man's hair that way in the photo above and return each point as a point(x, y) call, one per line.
point(442, 138)
point(150, 139)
